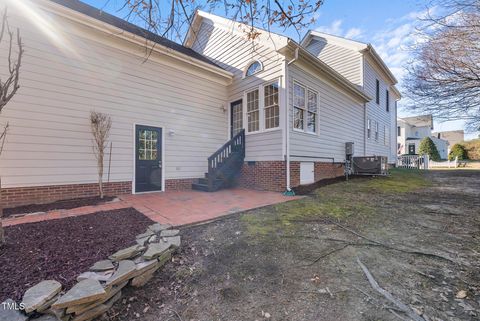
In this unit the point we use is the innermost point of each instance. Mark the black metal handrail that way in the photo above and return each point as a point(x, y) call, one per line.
point(222, 155)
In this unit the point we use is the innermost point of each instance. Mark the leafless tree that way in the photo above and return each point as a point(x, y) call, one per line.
point(169, 18)
point(444, 77)
point(8, 84)
point(100, 125)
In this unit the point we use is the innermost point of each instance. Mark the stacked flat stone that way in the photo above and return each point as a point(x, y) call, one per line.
point(100, 287)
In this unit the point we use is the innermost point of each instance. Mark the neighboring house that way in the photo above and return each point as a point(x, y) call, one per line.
point(411, 131)
point(183, 111)
point(452, 137)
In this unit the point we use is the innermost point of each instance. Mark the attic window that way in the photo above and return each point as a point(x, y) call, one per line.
point(253, 68)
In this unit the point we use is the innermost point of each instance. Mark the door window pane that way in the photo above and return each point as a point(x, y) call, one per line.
point(147, 145)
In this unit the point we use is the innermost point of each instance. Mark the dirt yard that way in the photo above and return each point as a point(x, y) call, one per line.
point(418, 234)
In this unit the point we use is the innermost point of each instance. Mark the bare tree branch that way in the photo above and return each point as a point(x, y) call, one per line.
point(9, 86)
point(444, 76)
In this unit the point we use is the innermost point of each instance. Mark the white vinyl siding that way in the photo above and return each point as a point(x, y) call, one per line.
point(340, 120)
point(49, 141)
point(345, 61)
point(235, 53)
point(379, 113)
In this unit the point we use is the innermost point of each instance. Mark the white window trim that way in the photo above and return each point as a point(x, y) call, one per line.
point(261, 105)
point(245, 111)
point(277, 81)
point(304, 130)
point(369, 127)
point(251, 62)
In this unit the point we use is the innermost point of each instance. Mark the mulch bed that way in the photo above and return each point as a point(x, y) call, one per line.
point(62, 249)
point(58, 205)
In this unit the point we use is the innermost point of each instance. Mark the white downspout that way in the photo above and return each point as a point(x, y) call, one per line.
point(287, 119)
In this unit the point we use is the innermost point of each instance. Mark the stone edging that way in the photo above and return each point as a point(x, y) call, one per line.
point(99, 288)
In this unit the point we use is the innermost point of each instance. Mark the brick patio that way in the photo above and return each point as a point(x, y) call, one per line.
point(176, 208)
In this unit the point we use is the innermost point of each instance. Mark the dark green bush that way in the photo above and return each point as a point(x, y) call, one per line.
point(458, 151)
point(427, 147)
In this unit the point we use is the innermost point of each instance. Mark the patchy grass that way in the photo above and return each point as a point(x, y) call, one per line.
point(399, 181)
point(337, 201)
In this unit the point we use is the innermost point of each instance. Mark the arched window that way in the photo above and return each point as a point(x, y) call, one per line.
point(253, 68)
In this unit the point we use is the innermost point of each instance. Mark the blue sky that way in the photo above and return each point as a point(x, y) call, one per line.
point(389, 25)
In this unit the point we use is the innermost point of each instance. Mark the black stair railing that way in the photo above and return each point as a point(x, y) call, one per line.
point(219, 161)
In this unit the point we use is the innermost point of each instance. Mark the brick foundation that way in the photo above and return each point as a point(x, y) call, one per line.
point(17, 196)
point(179, 184)
point(271, 175)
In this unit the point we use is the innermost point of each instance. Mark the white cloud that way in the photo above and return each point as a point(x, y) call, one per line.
point(354, 33)
point(335, 28)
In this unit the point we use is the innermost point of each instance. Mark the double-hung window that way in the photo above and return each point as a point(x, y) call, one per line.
point(305, 109)
point(271, 108)
point(299, 93)
point(387, 102)
point(376, 130)
point(386, 135)
point(253, 112)
point(312, 112)
point(369, 128)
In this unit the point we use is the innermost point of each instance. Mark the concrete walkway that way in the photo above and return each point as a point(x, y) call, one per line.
point(176, 208)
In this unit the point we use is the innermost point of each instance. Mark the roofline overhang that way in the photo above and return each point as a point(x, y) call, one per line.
point(130, 37)
point(338, 79)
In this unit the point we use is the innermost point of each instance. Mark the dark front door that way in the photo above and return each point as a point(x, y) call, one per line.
point(411, 149)
point(148, 159)
point(236, 117)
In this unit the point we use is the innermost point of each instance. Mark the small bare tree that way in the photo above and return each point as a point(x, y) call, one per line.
point(100, 124)
point(8, 85)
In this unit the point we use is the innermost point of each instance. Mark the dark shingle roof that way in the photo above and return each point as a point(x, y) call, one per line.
point(129, 27)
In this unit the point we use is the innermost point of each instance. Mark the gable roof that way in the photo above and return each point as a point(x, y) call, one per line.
point(280, 44)
point(107, 18)
point(230, 25)
point(363, 48)
point(419, 121)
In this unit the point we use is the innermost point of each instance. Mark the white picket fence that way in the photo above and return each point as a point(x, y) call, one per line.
point(423, 162)
point(413, 161)
point(444, 164)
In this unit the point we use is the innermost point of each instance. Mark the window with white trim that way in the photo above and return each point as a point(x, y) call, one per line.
point(386, 136)
point(298, 106)
point(312, 111)
point(305, 108)
point(271, 108)
point(253, 112)
point(253, 68)
point(376, 130)
point(369, 128)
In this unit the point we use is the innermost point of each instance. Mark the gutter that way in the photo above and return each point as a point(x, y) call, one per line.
point(287, 124)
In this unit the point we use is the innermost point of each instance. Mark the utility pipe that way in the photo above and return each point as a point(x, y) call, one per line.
point(287, 119)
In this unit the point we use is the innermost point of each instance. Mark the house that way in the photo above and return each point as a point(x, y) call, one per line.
point(411, 131)
point(360, 64)
point(452, 137)
point(218, 110)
